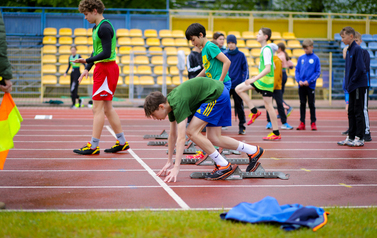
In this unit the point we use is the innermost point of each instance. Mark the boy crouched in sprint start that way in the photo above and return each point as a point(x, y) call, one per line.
point(209, 103)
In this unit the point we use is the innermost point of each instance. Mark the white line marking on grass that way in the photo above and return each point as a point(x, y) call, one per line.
point(153, 174)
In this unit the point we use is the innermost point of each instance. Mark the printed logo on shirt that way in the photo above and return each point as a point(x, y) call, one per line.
point(302, 61)
point(311, 61)
point(103, 95)
point(206, 62)
point(199, 111)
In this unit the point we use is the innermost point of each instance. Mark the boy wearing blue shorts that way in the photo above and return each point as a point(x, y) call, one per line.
point(208, 101)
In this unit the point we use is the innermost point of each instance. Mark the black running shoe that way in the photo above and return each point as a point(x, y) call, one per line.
point(117, 147)
point(221, 172)
point(87, 150)
point(367, 137)
point(253, 159)
point(345, 132)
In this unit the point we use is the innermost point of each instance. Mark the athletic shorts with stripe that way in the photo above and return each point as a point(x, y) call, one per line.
point(105, 80)
point(216, 113)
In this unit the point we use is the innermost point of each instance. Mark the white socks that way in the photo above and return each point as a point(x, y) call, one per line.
point(248, 149)
point(219, 160)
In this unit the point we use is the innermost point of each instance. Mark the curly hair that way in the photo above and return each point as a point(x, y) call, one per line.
point(152, 101)
point(90, 5)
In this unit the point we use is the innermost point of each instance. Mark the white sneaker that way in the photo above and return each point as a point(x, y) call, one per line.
point(345, 142)
point(356, 142)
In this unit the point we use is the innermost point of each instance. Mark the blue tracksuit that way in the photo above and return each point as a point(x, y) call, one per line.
point(355, 75)
point(238, 70)
point(308, 68)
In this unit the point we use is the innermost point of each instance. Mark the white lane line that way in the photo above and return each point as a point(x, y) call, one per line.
point(182, 170)
point(170, 191)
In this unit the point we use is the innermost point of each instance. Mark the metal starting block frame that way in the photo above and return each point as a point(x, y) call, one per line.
point(163, 135)
point(238, 174)
point(157, 143)
point(208, 161)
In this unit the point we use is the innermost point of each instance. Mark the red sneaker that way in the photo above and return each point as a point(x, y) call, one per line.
point(199, 155)
point(301, 126)
point(253, 117)
point(314, 127)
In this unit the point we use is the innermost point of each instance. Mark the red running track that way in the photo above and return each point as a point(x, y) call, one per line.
point(42, 172)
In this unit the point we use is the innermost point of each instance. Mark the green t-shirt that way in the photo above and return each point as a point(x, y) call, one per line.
point(97, 43)
point(187, 97)
point(71, 58)
point(213, 66)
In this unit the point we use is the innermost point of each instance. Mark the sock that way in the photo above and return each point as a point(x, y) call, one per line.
point(121, 138)
point(254, 110)
point(276, 132)
point(94, 143)
point(219, 160)
point(248, 149)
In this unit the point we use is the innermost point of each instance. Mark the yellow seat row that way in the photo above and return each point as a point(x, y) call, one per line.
point(149, 33)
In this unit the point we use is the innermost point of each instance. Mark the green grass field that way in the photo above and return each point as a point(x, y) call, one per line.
point(342, 222)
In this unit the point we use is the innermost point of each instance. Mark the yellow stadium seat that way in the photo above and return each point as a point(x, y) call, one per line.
point(240, 43)
point(250, 61)
point(294, 44)
point(209, 34)
point(289, 52)
point(257, 61)
point(89, 32)
point(49, 49)
point(247, 35)
point(127, 70)
point(168, 42)
point(49, 40)
point(141, 60)
point(80, 40)
point(90, 40)
point(80, 32)
point(177, 81)
point(319, 83)
point(173, 70)
point(160, 80)
point(83, 50)
point(294, 61)
point(150, 33)
point(49, 69)
point(157, 60)
point(146, 80)
point(65, 32)
point(87, 81)
point(290, 83)
point(155, 50)
point(245, 51)
point(165, 33)
point(49, 79)
point(185, 49)
point(136, 33)
point(153, 41)
point(125, 59)
point(253, 44)
point(144, 69)
point(297, 52)
point(120, 80)
point(65, 80)
point(171, 50)
point(125, 50)
point(65, 49)
point(235, 33)
point(172, 60)
point(122, 33)
point(221, 32)
point(291, 72)
point(137, 41)
point(135, 80)
point(49, 59)
point(65, 40)
point(280, 41)
point(124, 41)
point(159, 70)
point(139, 50)
point(50, 31)
point(275, 35)
point(253, 71)
point(255, 52)
point(289, 36)
point(178, 34)
point(63, 59)
point(180, 42)
point(63, 68)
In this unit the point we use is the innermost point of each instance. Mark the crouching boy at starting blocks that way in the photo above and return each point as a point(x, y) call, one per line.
point(209, 103)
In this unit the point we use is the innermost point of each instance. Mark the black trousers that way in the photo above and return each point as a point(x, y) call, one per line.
point(278, 96)
point(307, 94)
point(75, 74)
point(356, 119)
point(238, 109)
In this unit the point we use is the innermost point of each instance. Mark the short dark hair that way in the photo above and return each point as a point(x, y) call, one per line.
point(266, 31)
point(348, 31)
point(152, 101)
point(90, 5)
point(217, 35)
point(194, 30)
point(307, 42)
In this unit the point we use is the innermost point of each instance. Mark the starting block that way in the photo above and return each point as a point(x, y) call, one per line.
point(163, 135)
point(238, 174)
point(191, 149)
point(208, 161)
point(157, 143)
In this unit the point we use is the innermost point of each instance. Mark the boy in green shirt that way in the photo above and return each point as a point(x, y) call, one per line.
point(216, 64)
point(208, 101)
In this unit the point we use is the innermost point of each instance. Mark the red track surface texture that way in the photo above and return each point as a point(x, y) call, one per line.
point(42, 172)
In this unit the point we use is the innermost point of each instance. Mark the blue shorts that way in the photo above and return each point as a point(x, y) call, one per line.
point(346, 97)
point(228, 84)
point(216, 113)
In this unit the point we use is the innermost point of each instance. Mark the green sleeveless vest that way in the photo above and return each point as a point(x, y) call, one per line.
point(74, 65)
point(266, 83)
point(97, 44)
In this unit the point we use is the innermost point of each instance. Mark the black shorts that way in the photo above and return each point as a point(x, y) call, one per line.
point(263, 92)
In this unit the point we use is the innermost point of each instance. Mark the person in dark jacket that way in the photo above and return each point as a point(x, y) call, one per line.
point(5, 67)
point(194, 62)
point(356, 83)
point(238, 72)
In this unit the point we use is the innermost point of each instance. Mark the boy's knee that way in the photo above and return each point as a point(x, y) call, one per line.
point(238, 89)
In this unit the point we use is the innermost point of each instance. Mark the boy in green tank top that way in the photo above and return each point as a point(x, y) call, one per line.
point(262, 83)
point(105, 78)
